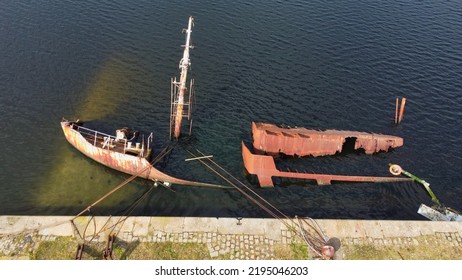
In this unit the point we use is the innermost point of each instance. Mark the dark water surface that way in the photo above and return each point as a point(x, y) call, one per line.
point(317, 64)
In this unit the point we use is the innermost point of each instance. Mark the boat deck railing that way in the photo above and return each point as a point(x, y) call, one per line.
point(110, 142)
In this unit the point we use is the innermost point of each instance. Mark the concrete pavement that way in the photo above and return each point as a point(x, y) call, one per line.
point(238, 239)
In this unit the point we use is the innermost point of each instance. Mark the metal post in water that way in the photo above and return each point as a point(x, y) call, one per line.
point(401, 111)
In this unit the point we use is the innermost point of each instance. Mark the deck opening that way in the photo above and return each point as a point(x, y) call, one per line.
point(348, 146)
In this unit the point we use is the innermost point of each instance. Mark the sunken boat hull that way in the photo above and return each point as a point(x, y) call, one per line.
point(265, 169)
point(96, 146)
point(273, 139)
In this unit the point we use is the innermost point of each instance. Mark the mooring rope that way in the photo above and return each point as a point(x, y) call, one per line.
point(124, 183)
point(305, 238)
point(164, 152)
point(302, 234)
point(129, 211)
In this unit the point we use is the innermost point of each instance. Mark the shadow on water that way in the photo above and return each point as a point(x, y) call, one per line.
point(76, 181)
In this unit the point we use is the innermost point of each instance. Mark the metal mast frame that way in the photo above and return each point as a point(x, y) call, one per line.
point(179, 92)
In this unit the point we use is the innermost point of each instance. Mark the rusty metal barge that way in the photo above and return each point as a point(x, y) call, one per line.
point(273, 139)
point(296, 141)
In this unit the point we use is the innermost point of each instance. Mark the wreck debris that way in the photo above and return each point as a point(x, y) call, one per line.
point(123, 152)
point(399, 118)
point(119, 155)
point(438, 212)
point(264, 167)
point(305, 227)
point(196, 158)
point(272, 139)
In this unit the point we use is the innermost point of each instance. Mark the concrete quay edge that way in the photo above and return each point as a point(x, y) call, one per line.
point(270, 228)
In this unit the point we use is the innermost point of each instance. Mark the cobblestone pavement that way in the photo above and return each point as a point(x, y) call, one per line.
point(240, 243)
point(241, 246)
point(234, 246)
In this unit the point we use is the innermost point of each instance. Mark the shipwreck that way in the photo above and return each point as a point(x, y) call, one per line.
point(265, 169)
point(297, 141)
point(123, 152)
point(119, 153)
point(273, 139)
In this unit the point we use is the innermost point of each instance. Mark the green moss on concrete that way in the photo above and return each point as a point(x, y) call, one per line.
point(162, 251)
point(62, 248)
point(19, 247)
point(293, 251)
point(427, 247)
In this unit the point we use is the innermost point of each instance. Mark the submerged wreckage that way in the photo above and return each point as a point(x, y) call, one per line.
point(265, 168)
point(437, 212)
point(273, 140)
point(119, 153)
point(122, 152)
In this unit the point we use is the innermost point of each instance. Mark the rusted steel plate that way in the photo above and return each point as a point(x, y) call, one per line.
point(265, 168)
point(126, 163)
point(273, 139)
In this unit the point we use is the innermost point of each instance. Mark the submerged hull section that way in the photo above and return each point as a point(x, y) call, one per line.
point(273, 139)
point(264, 167)
point(130, 164)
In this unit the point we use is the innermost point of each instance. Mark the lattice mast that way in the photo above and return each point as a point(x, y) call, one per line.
point(179, 92)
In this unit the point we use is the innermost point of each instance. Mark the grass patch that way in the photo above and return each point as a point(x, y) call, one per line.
point(162, 251)
point(370, 252)
point(293, 251)
point(62, 248)
point(426, 248)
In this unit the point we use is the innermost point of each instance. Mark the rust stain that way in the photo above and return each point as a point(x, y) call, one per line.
point(273, 139)
point(265, 168)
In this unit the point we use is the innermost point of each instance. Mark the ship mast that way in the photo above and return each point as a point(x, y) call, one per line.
point(179, 89)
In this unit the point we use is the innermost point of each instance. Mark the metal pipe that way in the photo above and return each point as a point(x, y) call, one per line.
point(426, 185)
point(188, 159)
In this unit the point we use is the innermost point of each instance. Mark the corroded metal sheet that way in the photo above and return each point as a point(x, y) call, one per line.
point(130, 164)
point(273, 139)
point(264, 168)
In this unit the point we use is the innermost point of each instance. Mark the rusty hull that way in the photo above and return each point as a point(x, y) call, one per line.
point(273, 139)
point(264, 167)
point(130, 164)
